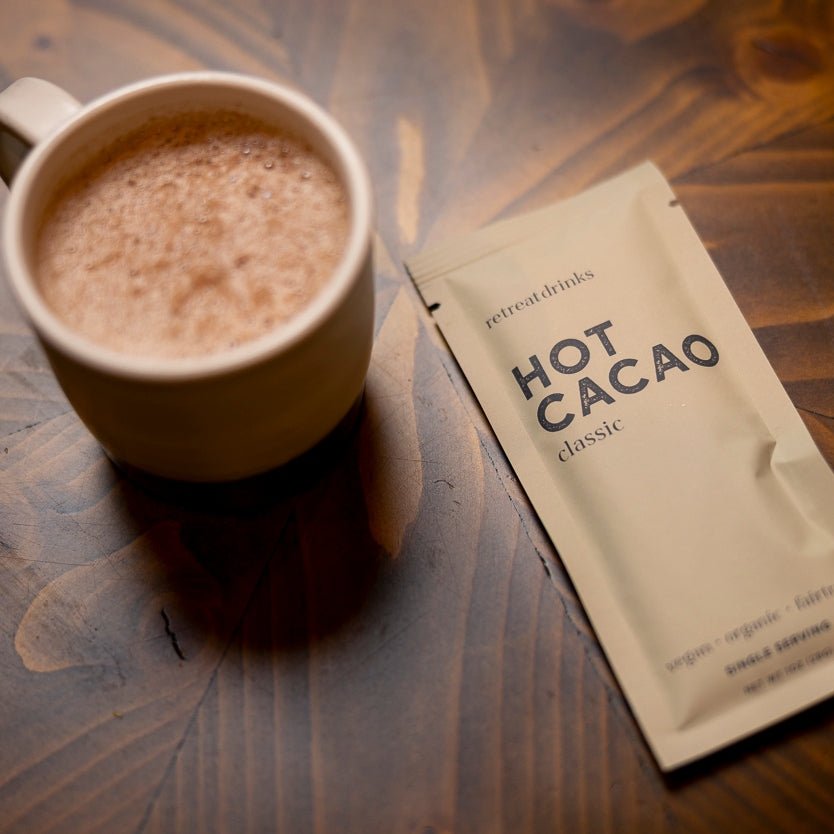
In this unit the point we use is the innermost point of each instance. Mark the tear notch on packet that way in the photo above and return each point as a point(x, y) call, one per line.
point(679, 485)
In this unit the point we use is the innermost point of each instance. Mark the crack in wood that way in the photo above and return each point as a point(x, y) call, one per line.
point(172, 635)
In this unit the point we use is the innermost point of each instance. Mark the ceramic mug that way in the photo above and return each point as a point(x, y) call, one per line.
point(224, 416)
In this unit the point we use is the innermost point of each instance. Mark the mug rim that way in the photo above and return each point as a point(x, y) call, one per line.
point(67, 341)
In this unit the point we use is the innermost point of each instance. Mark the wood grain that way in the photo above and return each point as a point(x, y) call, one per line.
point(390, 644)
point(761, 215)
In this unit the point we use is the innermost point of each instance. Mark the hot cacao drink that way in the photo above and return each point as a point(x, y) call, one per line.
point(194, 234)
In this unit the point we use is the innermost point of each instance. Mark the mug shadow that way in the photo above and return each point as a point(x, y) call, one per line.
point(276, 562)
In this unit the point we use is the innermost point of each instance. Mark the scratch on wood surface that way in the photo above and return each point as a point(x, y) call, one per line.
point(392, 469)
point(412, 171)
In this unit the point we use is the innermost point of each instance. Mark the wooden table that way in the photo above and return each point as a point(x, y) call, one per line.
point(391, 644)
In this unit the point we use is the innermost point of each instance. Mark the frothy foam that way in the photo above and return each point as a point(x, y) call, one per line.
point(194, 234)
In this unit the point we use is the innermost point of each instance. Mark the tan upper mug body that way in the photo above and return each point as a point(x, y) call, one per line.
point(224, 416)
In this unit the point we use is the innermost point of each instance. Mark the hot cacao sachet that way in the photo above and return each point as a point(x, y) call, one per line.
point(683, 493)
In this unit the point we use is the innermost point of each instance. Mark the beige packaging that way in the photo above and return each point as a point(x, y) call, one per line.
point(685, 497)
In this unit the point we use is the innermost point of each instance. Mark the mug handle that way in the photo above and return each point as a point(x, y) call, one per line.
point(29, 109)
